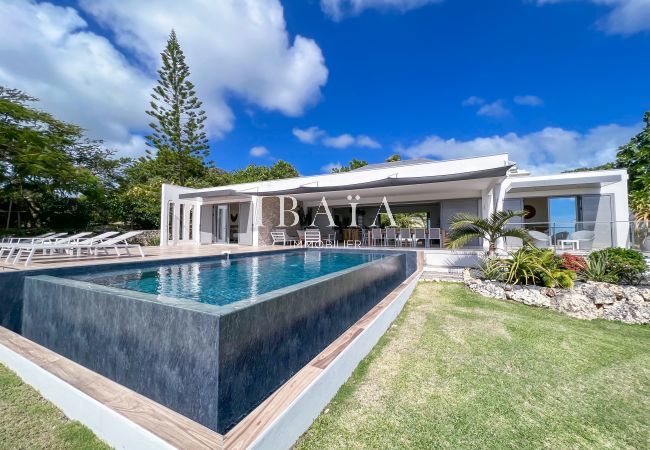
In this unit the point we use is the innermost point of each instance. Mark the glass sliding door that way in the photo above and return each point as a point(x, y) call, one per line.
point(220, 223)
point(563, 216)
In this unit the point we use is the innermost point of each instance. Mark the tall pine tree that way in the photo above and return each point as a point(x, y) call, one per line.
point(178, 132)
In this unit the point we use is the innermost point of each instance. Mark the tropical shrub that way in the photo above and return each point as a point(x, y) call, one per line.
point(596, 269)
point(492, 267)
point(575, 263)
point(623, 265)
point(537, 266)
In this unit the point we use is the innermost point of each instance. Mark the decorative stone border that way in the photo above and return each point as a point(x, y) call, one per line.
point(591, 300)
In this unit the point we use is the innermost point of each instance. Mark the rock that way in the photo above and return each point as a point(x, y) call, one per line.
point(599, 293)
point(628, 312)
point(645, 293)
point(529, 296)
point(549, 292)
point(575, 305)
point(629, 304)
point(633, 295)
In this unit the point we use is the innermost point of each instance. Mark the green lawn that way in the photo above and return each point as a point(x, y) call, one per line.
point(28, 421)
point(457, 370)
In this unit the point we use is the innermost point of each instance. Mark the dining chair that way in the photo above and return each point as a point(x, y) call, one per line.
point(391, 235)
point(434, 235)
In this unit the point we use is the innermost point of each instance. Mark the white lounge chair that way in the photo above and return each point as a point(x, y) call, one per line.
point(11, 246)
point(10, 239)
point(281, 237)
point(115, 243)
point(312, 237)
point(540, 240)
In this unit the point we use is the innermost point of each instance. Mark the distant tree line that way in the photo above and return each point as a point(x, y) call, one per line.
point(52, 176)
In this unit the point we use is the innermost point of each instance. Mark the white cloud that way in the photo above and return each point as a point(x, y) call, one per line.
point(367, 141)
point(313, 135)
point(79, 76)
point(473, 101)
point(327, 168)
point(339, 9)
point(259, 151)
point(308, 135)
point(233, 48)
point(549, 150)
point(625, 16)
point(528, 100)
point(495, 109)
point(341, 141)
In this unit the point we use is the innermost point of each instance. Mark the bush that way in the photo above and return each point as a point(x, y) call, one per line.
point(596, 269)
point(537, 266)
point(492, 267)
point(574, 263)
point(622, 265)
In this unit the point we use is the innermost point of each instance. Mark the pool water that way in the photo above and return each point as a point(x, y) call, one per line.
point(221, 282)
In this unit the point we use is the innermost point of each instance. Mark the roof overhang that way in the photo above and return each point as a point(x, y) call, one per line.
point(392, 182)
point(215, 194)
point(564, 182)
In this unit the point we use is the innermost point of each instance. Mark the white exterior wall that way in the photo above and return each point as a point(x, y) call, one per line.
point(491, 193)
point(170, 193)
point(617, 189)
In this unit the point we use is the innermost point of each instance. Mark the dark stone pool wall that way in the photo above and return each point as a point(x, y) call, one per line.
point(263, 345)
point(212, 364)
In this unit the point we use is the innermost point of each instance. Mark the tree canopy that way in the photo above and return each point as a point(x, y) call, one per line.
point(353, 164)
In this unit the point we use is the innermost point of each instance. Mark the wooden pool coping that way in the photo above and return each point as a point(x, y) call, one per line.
point(174, 428)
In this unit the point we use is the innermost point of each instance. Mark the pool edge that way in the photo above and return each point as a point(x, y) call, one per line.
point(278, 422)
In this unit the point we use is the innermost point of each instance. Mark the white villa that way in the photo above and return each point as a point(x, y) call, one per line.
point(557, 205)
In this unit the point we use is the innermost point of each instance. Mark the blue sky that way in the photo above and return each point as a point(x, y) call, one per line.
point(557, 84)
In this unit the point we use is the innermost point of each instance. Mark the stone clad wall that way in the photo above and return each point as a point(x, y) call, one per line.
point(271, 219)
point(591, 300)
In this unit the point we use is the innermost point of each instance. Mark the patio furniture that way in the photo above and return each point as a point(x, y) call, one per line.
point(116, 243)
point(364, 236)
point(573, 243)
point(391, 235)
point(312, 238)
point(560, 235)
point(351, 234)
point(419, 234)
point(540, 240)
point(434, 235)
point(280, 237)
point(10, 239)
point(405, 237)
point(376, 235)
point(330, 238)
point(584, 238)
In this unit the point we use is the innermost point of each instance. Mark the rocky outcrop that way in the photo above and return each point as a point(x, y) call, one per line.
point(591, 300)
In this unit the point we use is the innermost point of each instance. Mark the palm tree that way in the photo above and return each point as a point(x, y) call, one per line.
point(465, 227)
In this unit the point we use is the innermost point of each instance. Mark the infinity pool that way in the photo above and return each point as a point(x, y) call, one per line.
point(221, 282)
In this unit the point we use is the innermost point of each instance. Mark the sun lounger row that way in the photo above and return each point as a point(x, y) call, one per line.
point(60, 243)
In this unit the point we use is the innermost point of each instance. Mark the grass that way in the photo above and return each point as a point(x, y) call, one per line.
point(28, 421)
point(457, 370)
